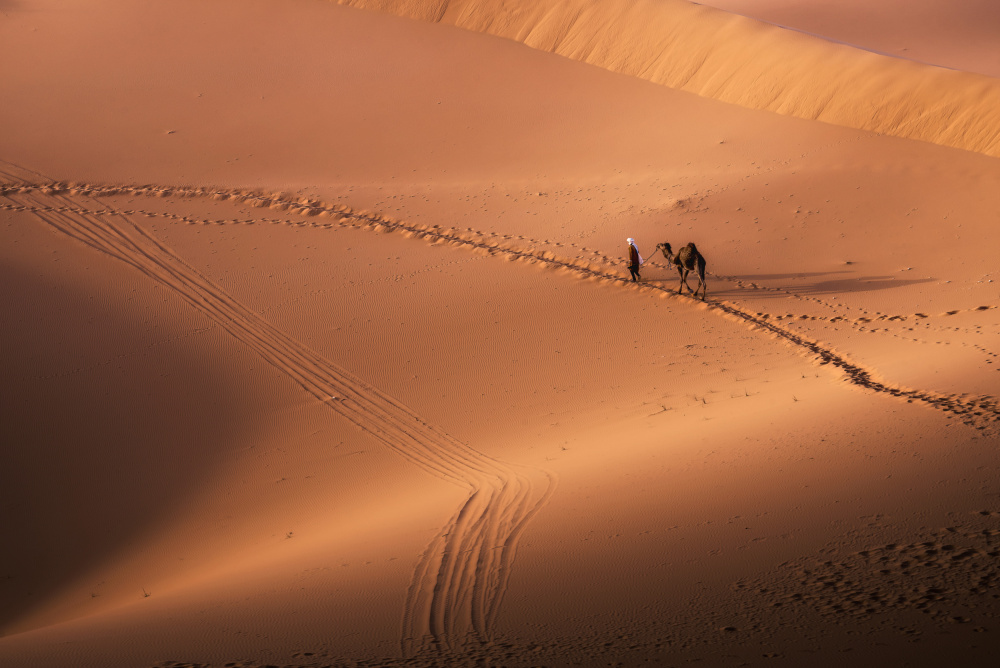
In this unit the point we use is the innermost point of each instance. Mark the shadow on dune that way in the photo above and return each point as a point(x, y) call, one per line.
point(860, 284)
point(763, 287)
point(785, 277)
point(106, 425)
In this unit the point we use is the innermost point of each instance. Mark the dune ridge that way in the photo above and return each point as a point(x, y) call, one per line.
point(458, 586)
point(981, 412)
point(741, 61)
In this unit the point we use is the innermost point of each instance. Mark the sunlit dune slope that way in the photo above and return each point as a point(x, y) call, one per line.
point(741, 61)
point(956, 34)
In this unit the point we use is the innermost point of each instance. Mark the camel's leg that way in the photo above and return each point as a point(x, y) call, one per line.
point(681, 272)
point(684, 279)
point(701, 284)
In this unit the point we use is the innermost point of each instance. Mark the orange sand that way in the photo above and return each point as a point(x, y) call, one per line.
point(321, 352)
point(959, 35)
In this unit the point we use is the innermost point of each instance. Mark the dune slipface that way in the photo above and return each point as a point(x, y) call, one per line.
point(741, 61)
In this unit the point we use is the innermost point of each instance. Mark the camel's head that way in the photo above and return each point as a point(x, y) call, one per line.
point(665, 247)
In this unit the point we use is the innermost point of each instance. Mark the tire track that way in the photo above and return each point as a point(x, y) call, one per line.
point(868, 323)
point(981, 412)
point(460, 581)
point(347, 216)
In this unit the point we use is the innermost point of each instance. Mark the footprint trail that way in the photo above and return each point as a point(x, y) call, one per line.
point(980, 412)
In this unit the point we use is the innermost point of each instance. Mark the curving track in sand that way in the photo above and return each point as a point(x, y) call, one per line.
point(981, 412)
point(459, 584)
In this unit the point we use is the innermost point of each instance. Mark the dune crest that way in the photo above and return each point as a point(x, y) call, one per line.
point(741, 61)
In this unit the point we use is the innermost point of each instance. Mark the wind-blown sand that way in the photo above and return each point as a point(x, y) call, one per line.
point(321, 349)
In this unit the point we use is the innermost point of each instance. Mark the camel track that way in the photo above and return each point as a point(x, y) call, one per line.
point(459, 584)
point(981, 412)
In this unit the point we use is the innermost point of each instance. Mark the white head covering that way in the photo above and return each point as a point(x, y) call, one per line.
point(631, 242)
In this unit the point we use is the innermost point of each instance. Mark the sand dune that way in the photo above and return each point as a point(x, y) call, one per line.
point(456, 587)
point(324, 354)
point(463, 574)
point(741, 61)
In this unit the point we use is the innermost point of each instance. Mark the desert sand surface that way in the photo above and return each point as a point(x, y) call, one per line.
point(960, 35)
point(320, 348)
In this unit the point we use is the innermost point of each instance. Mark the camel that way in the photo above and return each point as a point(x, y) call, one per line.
point(686, 260)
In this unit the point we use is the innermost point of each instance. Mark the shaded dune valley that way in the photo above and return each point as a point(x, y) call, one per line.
point(321, 346)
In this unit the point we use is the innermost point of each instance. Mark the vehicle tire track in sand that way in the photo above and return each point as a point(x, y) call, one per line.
point(459, 584)
point(861, 323)
point(981, 412)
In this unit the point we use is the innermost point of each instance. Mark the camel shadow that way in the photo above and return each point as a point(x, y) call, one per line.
point(790, 275)
point(760, 286)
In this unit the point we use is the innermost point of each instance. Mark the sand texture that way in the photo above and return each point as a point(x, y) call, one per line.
point(959, 35)
point(321, 349)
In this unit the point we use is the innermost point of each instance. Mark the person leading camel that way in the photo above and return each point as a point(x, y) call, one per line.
point(634, 259)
